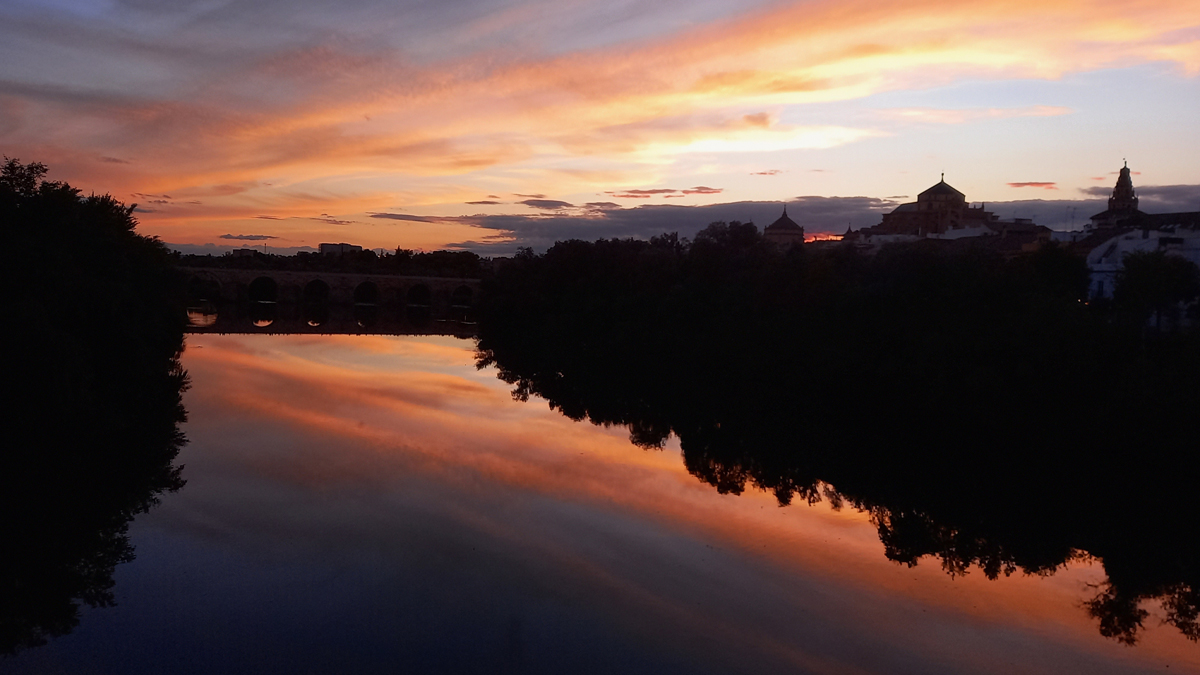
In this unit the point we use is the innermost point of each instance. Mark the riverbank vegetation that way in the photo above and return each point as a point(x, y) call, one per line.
point(402, 261)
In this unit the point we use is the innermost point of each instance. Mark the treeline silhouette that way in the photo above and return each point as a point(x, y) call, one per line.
point(402, 261)
point(974, 404)
point(94, 405)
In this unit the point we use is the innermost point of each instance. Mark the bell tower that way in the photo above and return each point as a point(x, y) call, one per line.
point(1123, 197)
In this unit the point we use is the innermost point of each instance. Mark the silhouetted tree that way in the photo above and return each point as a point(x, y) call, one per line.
point(1154, 284)
point(95, 397)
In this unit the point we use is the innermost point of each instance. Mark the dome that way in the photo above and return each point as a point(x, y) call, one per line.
point(941, 191)
point(783, 224)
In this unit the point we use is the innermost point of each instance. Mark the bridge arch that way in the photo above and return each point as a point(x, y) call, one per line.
point(202, 315)
point(263, 314)
point(461, 297)
point(263, 289)
point(419, 295)
point(366, 316)
point(203, 295)
point(366, 293)
point(203, 288)
point(419, 305)
point(316, 291)
point(314, 303)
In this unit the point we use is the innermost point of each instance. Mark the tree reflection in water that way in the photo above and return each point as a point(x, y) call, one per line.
point(971, 404)
point(93, 428)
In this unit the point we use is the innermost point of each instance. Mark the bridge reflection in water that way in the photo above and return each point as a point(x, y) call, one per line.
point(286, 302)
point(273, 319)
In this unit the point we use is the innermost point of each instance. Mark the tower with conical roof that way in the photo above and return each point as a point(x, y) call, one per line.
point(1123, 197)
point(1122, 205)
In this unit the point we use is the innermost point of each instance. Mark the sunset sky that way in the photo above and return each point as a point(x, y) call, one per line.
point(490, 124)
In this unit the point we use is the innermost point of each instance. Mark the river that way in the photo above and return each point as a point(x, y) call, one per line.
point(362, 504)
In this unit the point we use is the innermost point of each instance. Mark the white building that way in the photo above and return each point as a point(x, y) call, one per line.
point(1106, 260)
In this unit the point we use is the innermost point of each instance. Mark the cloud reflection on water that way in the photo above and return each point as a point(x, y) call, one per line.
point(415, 480)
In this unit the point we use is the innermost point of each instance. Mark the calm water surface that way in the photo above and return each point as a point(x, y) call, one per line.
point(366, 504)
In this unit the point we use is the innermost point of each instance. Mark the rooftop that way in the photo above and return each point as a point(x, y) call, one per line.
point(783, 223)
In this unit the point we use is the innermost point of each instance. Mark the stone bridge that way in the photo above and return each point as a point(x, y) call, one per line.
point(262, 300)
point(221, 286)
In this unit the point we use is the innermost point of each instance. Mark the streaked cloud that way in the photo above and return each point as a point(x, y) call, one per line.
point(330, 220)
point(1035, 184)
point(665, 192)
point(641, 194)
point(249, 237)
point(547, 204)
point(399, 216)
point(964, 115)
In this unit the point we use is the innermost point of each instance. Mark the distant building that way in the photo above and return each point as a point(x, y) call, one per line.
point(243, 252)
point(942, 212)
point(338, 249)
point(939, 210)
point(784, 231)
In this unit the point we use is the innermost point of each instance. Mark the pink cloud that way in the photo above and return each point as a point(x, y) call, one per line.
point(1035, 184)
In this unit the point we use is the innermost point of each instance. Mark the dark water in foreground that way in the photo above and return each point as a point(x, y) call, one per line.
point(376, 504)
